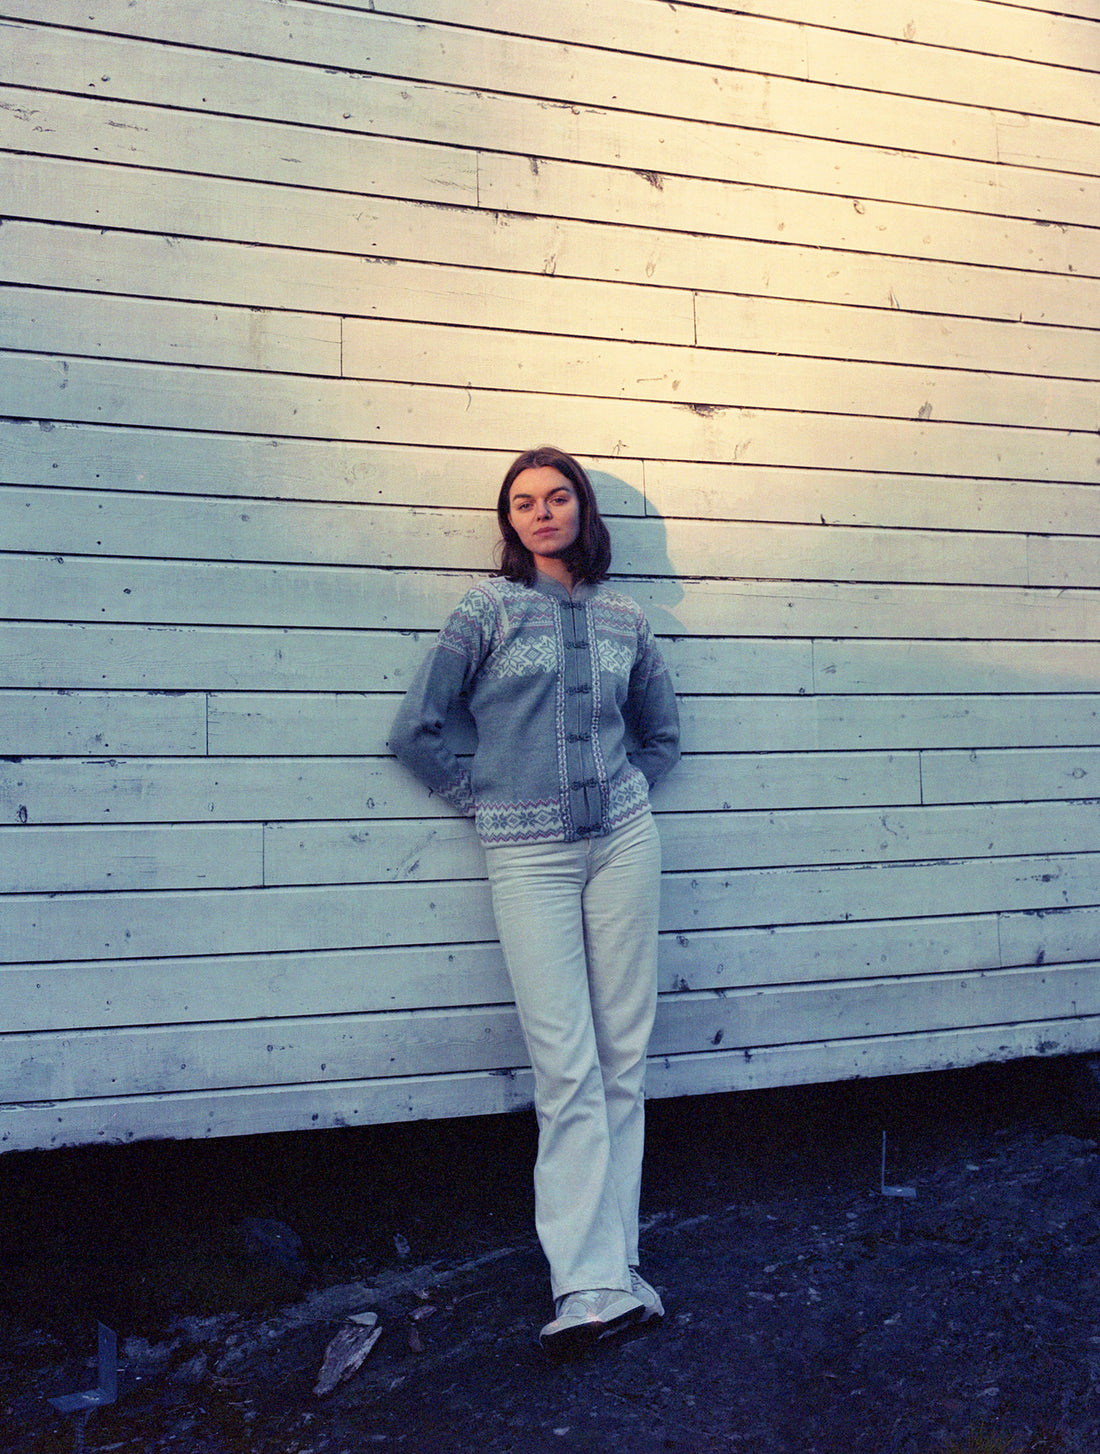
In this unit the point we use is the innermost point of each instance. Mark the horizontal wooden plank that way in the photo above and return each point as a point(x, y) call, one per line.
point(370, 40)
point(1086, 9)
point(120, 69)
point(85, 522)
point(279, 920)
point(388, 851)
point(944, 24)
point(187, 790)
point(101, 860)
point(107, 1121)
point(211, 593)
point(110, 1120)
point(600, 112)
point(256, 724)
point(155, 137)
point(92, 588)
point(196, 790)
point(49, 124)
point(81, 724)
point(76, 456)
point(253, 724)
point(1007, 774)
point(362, 851)
point(911, 1005)
point(729, 959)
point(285, 532)
point(243, 921)
point(161, 1059)
point(891, 722)
point(426, 354)
point(286, 278)
point(101, 326)
point(602, 194)
point(729, 321)
point(59, 190)
point(771, 838)
point(301, 724)
point(1054, 936)
point(813, 553)
point(874, 1056)
point(1046, 35)
point(124, 263)
point(932, 70)
point(175, 659)
point(855, 667)
point(91, 993)
point(640, 53)
point(854, 609)
point(687, 488)
point(887, 890)
point(160, 396)
point(855, 57)
point(178, 659)
point(1056, 562)
point(189, 593)
point(87, 994)
point(1031, 140)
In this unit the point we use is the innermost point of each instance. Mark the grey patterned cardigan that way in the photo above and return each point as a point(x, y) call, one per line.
point(553, 682)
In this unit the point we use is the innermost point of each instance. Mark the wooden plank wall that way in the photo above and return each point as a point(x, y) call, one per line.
point(814, 289)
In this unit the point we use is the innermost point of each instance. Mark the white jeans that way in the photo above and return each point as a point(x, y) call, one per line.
point(578, 926)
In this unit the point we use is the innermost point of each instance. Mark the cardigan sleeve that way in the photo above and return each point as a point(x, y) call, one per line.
point(443, 677)
point(652, 713)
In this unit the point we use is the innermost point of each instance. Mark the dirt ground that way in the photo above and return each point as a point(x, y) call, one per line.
point(807, 1313)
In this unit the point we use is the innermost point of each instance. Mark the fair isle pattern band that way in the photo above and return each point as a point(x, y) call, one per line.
point(629, 797)
point(520, 822)
point(509, 823)
point(616, 657)
point(524, 656)
point(471, 626)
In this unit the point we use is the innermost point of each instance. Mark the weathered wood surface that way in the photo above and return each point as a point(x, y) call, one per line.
point(813, 289)
point(385, 230)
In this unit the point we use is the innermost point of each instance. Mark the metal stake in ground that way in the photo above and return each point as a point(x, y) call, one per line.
point(892, 1191)
point(80, 1406)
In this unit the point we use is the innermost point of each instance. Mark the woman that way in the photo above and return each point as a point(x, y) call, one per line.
point(556, 669)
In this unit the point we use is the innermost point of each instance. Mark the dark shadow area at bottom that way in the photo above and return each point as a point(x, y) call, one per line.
point(792, 1285)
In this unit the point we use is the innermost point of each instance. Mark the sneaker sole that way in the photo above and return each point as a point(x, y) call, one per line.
point(570, 1343)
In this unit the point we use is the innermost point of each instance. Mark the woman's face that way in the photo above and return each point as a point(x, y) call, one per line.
point(545, 513)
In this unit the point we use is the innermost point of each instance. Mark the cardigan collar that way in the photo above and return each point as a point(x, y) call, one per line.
point(548, 586)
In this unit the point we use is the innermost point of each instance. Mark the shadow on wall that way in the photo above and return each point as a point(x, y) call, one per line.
point(639, 550)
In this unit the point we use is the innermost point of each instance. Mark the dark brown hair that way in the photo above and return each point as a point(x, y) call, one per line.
point(589, 557)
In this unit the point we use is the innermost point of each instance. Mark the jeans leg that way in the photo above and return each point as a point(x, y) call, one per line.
point(621, 907)
point(537, 900)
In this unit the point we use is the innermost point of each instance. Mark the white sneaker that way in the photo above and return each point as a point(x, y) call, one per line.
point(652, 1306)
point(583, 1318)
